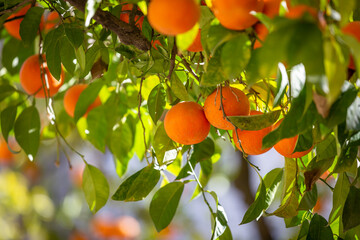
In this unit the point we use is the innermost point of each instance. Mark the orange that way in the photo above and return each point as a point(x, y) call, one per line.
point(173, 17)
point(251, 141)
point(72, 96)
point(185, 123)
point(125, 16)
point(235, 14)
point(287, 146)
point(299, 10)
point(271, 8)
point(13, 27)
point(196, 46)
point(353, 29)
point(234, 101)
point(262, 32)
point(5, 154)
point(52, 20)
point(33, 83)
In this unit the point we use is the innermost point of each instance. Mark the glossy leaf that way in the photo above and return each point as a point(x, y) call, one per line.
point(138, 185)
point(74, 34)
point(87, 97)
point(97, 128)
point(255, 122)
point(340, 193)
point(156, 102)
point(95, 187)
point(351, 211)
point(29, 26)
point(220, 219)
point(6, 91)
point(319, 229)
point(164, 204)
point(27, 131)
point(8, 116)
point(162, 144)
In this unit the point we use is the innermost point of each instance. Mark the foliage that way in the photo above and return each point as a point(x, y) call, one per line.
point(300, 74)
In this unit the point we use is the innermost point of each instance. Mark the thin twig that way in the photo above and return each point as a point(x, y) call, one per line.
point(172, 60)
point(332, 189)
point(188, 67)
point(141, 121)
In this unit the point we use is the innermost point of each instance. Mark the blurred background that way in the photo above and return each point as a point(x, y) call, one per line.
point(44, 200)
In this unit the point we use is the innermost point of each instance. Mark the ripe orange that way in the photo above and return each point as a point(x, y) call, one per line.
point(52, 20)
point(173, 17)
point(72, 96)
point(5, 154)
point(185, 123)
point(353, 29)
point(299, 10)
point(127, 227)
point(234, 101)
point(235, 14)
point(196, 46)
point(287, 146)
point(262, 32)
point(33, 83)
point(13, 27)
point(251, 141)
point(125, 17)
point(271, 8)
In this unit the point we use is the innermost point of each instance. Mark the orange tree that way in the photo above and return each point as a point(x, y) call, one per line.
point(299, 74)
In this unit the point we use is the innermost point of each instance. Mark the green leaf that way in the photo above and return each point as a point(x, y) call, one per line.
point(235, 55)
point(289, 202)
point(319, 229)
point(220, 219)
point(304, 229)
point(95, 187)
point(256, 208)
point(353, 116)
point(53, 60)
point(8, 116)
point(255, 122)
point(6, 91)
point(97, 127)
point(162, 143)
point(164, 204)
point(157, 102)
point(309, 199)
point(90, 57)
point(351, 211)
point(346, 159)
point(340, 193)
point(122, 142)
point(272, 182)
point(178, 88)
point(335, 68)
point(214, 72)
point(217, 35)
point(67, 55)
point(27, 131)
point(87, 97)
point(29, 26)
point(203, 151)
point(138, 185)
point(74, 34)
point(16, 52)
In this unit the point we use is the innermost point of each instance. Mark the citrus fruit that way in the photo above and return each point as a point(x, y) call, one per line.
point(5, 154)
point(72, 96)
point(235, 14)
point(299, 10)
point(353, 29)
point(287, 146)
point(173, 17)
point(234, 101)
point(13, 26)
point(52, 20)
point(33, 83)
point(185, 123)
point(251, 141)
point(196, 46)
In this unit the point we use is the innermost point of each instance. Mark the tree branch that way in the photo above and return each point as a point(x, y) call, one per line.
point(129, 35)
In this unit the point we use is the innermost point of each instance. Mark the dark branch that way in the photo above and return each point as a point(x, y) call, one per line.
point(129, 35)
